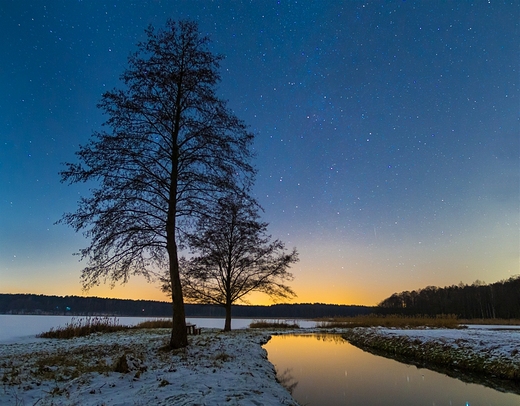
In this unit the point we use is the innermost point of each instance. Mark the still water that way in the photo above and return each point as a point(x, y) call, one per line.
point(327, 370)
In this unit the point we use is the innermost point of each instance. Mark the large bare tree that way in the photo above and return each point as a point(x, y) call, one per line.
point(232, 256)
point(172, 148)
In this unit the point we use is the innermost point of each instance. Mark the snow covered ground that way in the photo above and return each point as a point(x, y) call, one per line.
point(216, 368)
point(490, 356)
point(496, 342)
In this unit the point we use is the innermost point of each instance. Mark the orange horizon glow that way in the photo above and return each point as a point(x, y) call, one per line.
point(362, 276)
point(138, 289)
point(135, 290)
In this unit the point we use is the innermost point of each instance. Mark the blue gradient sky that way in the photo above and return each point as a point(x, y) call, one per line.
point(387, 134)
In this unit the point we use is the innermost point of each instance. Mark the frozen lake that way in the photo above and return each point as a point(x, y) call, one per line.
point(24, 328)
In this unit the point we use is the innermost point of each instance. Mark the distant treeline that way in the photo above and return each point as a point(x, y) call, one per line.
point(499, 300)
point(91, 306)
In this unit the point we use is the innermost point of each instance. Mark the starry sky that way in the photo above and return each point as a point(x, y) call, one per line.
point(387, 134)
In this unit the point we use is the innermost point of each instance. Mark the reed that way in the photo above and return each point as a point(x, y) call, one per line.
point(84, 326)
point(80, 327)
point(394, 320)
point(158, 323)
point(492, 322)
point(278, 324)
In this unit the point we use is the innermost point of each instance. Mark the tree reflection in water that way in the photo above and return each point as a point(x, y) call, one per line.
point(287, 380)
point(328, 338)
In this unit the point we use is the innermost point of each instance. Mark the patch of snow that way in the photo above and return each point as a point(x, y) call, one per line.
point(217, 368)
point(495, 341)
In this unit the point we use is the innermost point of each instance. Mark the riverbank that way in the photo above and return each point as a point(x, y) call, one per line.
point(490, 356)
point(132, 368)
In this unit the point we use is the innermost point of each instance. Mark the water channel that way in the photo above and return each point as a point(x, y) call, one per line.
point(327, 370)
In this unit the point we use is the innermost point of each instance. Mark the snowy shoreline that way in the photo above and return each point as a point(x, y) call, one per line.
point(132, 367)
point(217, 368)
point(488, 355)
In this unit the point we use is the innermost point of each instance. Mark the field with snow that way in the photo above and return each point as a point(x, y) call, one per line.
point(131, 367)
point(215, 369)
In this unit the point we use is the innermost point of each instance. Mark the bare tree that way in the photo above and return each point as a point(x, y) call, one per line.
point(172, 148)
point(232, 256)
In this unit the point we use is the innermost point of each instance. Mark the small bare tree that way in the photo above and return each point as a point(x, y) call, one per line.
point(173, 147)
point(232, 256)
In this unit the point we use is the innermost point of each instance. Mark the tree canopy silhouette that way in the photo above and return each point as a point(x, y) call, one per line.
point(478, 300)
point(172, 148)
point(232, 256)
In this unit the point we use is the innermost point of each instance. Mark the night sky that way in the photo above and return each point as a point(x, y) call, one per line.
point(387, 134)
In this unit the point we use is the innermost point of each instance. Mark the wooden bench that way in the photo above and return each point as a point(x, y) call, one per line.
point(191, 329)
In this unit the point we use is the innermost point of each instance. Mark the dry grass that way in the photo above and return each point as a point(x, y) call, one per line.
point(85, 326)
point(62, 363)
point(273, 324)
point(80, 327)
point(158, 323)
point(374, 320)
point(493, 322)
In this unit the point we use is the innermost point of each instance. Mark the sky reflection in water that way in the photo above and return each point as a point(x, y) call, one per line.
point(326, 370)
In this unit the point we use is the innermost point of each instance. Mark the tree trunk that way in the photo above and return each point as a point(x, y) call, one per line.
point(179, 337)
point(227, 325)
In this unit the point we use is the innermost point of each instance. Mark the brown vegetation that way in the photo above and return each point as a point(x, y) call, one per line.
point(84, 327)
point(393, 320)
point(89, 325)
point(158, 323)
point(273, 324)
point(494, 322)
